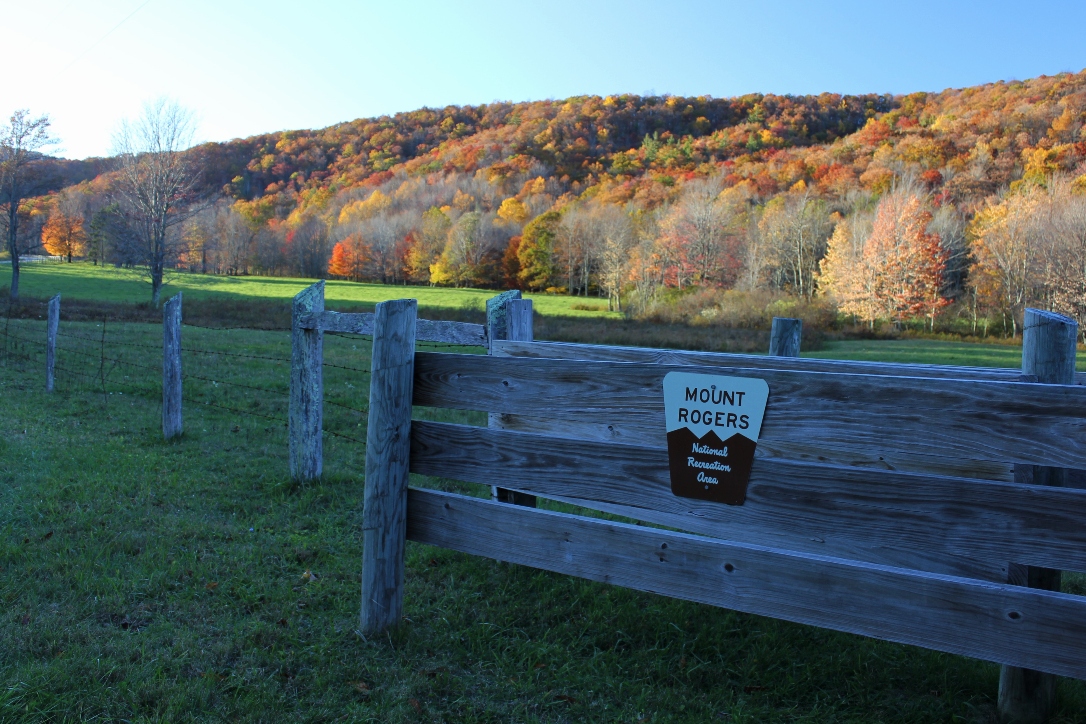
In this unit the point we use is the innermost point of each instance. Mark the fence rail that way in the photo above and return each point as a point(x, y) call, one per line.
point(1002, 623)
point(456, 333)
point(868, 511)
point(921, 504)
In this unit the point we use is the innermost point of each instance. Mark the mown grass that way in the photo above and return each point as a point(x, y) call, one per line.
point(82, 280)
point(923, 351)
point(193, 581)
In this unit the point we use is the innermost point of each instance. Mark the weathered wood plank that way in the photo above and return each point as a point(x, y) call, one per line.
point(996, 622)
point(52, 323)
point(593, 352)
point(306, 411)
point(937, 524)
point(388, 441)
point(464, 333)
point(785, 336)
point(983, 420)
point(520, 320)
point(509, 317)
point(172, 422)
point(497, 316)
point(604, 427)
point(1048, 352)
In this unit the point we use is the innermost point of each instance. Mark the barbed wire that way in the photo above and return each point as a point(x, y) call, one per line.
point(346, 407)
point(209, 403)
point(101, 379)
point(351, 335)
point(234, 384)
point(93, 340)
point(25, 340)
point(235, 354)
point(344, 367)
point(442, 345)
point(345, 437)
point(254, 329)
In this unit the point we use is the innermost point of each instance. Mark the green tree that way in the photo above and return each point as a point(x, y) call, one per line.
point(536, 251)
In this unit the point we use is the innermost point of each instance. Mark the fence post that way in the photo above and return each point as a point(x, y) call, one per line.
point(306, 387)
point(388, 450)
point(51, 341)
point(509, 317)
point(784, 337)
point(1048, 352)
point(171, 368)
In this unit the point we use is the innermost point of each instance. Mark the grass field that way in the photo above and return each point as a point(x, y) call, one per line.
point(922, 351)
point(85, 281)
point(193, 581)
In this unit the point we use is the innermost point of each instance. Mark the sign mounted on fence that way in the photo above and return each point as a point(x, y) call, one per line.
point(712, 430)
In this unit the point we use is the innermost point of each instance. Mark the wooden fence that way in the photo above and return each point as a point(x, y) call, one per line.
point(919, 504)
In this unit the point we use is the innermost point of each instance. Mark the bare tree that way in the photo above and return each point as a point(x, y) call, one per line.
point(614, 237)
point(795, 228)
point(20, 142)
point(157, 181)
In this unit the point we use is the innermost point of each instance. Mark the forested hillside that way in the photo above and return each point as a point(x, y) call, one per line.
point(969, 203)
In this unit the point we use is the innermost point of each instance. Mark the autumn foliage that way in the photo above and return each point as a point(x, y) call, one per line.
point(63, 235)
point(894, 206)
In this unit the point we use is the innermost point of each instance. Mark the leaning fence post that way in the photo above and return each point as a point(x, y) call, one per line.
point(1048, 352)
point(51, 341)
point(784, 337)
point(306, 386)
point(388, 449)
point(508, 317)
point(171, 368)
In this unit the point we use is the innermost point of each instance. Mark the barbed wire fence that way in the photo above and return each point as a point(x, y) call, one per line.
point(123, 358)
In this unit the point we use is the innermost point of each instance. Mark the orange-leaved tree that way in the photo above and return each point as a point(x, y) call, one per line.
point(910, 262)
point(348, 259)
point(63, 235)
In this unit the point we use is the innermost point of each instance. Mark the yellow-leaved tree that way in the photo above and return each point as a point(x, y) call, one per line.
point(514, 211)
point(847, 275)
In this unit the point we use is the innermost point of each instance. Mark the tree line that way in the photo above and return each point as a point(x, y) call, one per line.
point(895, 208)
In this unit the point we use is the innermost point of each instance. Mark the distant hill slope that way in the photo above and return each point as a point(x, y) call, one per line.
point(588, 139)
point(638, 141)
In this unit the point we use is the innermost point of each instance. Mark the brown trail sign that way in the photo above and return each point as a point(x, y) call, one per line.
point(885, 500)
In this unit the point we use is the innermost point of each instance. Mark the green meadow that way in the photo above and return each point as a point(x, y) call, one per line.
point(192, 580)
point(81, 280)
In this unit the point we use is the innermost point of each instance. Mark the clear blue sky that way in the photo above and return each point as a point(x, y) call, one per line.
point(249, 67)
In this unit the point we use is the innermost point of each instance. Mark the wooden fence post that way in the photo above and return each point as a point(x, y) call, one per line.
point(509, 317)
point(1048, 352)
point(171, 368)
point(785, 336)
point(306, 387)
point(388, 451)
point(52, 323)
point(497, 316)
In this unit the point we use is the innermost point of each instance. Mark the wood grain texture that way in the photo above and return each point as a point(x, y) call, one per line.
point(996, 622)
point(1048, 353)
point(469, 335)
point(785, 336)
point(627, 432)
point(509, 317)
point(306, 387)
point(520, 319)
point(567, 350)
point(497, 316)
point(172, 421)
point(51, 325)
point(388, 440)
point(936, 524)
point(1002, 422)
